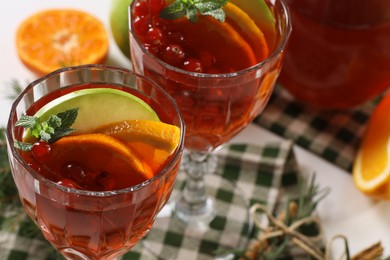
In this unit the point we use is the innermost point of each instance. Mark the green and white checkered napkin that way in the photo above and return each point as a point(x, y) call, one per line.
point(262, 172)
point(332, 135)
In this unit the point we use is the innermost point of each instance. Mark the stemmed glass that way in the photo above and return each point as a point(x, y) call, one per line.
point(215, 107)
point(83, 224)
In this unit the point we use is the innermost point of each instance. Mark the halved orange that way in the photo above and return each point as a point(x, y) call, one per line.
point(51, 39)
point(371, 169)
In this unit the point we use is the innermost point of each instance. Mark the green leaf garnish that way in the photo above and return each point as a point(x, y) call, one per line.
point(192, 8)
point(55, 127)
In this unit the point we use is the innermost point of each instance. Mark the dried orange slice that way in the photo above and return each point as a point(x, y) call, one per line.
point(371, 169)
point(55, 38)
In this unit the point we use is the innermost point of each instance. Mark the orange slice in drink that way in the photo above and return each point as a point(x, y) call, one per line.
point(238, 33)
point(371, 169)
point(157, 134)
point(52, 39)
point(155, 141)
point(251, 31)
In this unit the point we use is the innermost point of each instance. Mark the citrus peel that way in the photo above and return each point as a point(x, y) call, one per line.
point(371, 169)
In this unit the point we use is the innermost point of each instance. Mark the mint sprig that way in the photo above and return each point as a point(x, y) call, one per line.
point(192, 8)
point(55, 127)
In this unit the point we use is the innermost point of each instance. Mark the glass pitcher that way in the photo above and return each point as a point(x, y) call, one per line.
point(338, 56)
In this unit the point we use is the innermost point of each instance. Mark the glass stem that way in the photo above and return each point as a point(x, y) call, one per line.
point(195, 207)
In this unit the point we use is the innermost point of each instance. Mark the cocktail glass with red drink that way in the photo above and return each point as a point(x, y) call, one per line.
point(95, 192)
point(220, 73)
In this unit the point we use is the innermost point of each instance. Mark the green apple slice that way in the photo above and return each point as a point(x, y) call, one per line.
point(97, 107)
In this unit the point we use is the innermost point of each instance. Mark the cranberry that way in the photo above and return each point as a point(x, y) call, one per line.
point(173, 54)
point(156, 6)
point(155, 36)
point(141, 8)
point(141, 25)
point(207, 59)
point(214, 70)
point(41, 151)
point(68, 183)
point(193, 65)
point(74, 171)
point(153, 49)
point(175, 37)
point(106, 180)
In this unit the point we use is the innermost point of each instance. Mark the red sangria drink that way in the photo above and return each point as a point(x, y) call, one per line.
point(94, 153)
point(219, 60)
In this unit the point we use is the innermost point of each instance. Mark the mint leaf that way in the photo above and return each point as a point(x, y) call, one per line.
point(68, 117)
point(192, 8)
point(23, 146)
point(27, 121)
point(174, 11)
point(55, 127)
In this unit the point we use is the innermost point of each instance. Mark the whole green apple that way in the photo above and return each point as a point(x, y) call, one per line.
point(119, 23)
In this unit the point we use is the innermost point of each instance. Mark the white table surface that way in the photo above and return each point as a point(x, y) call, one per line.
point(344, 211)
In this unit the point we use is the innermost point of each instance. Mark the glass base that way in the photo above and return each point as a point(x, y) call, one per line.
point(190, 237)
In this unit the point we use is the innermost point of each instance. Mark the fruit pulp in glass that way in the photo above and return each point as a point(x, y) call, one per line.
point(338, 55)
point(95, 225)
point(214, 109)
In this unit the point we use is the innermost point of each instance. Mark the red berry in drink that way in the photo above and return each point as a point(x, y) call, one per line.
point(41, 151)
point(207, 59)
point(193, 65)
point(68, 183)
point(173, 54)
point(106, 180)
point(141, 8)
point(155, 36)
point(141, 25)
point(156, 6)
point(175, 37)
point(74, 171)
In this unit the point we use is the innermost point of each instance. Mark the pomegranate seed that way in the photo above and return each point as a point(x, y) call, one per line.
point(68, 183)
point(156, 6)
point(41, 151)
point(74, 171)
point(173, 54)
point(193, 65)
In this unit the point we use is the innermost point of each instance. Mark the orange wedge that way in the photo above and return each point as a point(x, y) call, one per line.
point(52, 39)
point(154, 133)
point(371, 169)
